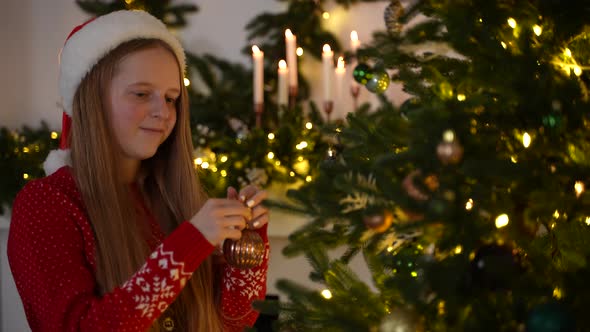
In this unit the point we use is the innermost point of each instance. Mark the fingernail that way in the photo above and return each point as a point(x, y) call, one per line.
point(243, 198)
point(250, 203)
point(256, 223)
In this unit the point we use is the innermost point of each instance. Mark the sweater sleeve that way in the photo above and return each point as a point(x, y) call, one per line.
point(56, 281)
point(241, 288)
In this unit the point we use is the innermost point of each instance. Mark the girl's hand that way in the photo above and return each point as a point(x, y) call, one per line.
point(252, 197)
point(220, 219)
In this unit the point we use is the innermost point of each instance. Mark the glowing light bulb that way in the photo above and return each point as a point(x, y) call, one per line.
point(291, 173)
point(577, 70)
point(461, 97)
point(198, 161)
point(205, 165)
point(526, 140)
point(556, 214)
point(557, 293)
point(325, 15)
point(309, 125)
point(53, 135)
point(448, 136)
point(223, 159)
point(414, 274)
point(579, 188)
point(187, 82)
point(299, 51)
point(537, 29)
point(502, 220)
point(302, 145)
point(587, 221)
point(458, 249)
point(223, 173)
point(512, 22)
point(26, 150)
point(308, 178)
point(327, 294)
point(271, 136)
point(270, 155)
point(25, 176)
point(503, 44)
point(469, 204)
point(567, 52)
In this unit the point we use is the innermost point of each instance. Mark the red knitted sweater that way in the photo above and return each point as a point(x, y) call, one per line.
point(51, 251)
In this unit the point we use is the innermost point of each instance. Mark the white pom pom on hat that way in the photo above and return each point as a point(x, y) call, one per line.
point(85, 46)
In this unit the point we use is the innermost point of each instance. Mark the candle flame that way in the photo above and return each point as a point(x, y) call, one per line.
point(340, 64)
point(282, 64)
point(354, 35)
point(255, 49)
point(327, 48)
point(288, 33)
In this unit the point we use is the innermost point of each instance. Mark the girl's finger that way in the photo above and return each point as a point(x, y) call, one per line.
point(258, 210)
point(233, 234)
point(257, 198)
point(259, 222)
point(234, 222)
point(232, 193)
point(247, 192)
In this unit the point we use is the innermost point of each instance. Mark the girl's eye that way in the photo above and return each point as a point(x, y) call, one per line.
point(171, 100)
point(141, 94)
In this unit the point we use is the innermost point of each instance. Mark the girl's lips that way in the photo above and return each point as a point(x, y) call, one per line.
point(153, 130)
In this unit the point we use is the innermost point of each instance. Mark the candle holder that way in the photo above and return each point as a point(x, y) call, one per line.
point(355, 90)
point(258, 109)
point(328, 108)
point(292, 96)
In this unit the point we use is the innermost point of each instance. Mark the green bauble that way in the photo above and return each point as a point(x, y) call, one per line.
point(392, 14)
point(552, 121)
point(362, 73)
point(379, 82)
point(550, 317)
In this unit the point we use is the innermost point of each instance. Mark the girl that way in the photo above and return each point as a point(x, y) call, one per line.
point(119, 236)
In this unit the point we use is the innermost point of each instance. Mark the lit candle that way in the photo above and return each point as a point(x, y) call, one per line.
point(291, 43)
point(354, 45)
point(283, 98)
point(340, 73)
point(328, 71)
point(258, 77)
point(354, 41)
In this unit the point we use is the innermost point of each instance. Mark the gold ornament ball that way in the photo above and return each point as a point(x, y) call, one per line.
point(245, 253)
point(379, 222)
point(402, 320)
point(392, 15)
point(449, 152)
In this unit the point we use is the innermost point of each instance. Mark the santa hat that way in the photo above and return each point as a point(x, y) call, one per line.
point(85, 46)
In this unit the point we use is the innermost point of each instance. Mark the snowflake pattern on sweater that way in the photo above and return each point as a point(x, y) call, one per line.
point(51, 254)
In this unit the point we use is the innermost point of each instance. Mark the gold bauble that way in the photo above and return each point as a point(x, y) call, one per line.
point(449, 152)
point(245, 253)
point(402, 320)
point(379, 222)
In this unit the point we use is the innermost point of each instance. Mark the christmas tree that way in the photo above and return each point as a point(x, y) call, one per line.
point(468, 201)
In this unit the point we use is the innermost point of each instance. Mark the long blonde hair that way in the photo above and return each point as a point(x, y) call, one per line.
point(169, 185)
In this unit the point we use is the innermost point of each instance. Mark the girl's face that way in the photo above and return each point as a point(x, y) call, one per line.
point(142, 101)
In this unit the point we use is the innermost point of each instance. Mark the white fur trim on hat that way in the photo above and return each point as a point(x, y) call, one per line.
point(93, 41)
point(56, 159)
